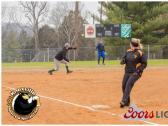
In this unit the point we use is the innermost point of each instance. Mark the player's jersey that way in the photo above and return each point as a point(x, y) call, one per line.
point(134, 60)
point(100, 47)
point(62, 54)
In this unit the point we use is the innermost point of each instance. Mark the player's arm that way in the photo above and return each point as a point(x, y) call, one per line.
point(66, 59)
point(123, 60)
point(103, 48)
point(96, 46)
point(142, 64)
point(70, 48)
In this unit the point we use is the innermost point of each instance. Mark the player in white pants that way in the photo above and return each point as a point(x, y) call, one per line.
point(57, 63)
point(61, 58)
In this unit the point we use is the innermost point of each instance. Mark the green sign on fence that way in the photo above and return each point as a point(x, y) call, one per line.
point(126, 30)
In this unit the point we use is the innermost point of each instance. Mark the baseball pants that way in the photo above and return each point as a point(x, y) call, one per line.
point(57, 64)
point(101, 54)
point(127, 85)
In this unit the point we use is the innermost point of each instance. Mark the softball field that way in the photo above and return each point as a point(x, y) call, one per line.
point(90, 95)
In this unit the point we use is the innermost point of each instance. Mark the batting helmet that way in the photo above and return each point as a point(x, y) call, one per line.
point(67, 45)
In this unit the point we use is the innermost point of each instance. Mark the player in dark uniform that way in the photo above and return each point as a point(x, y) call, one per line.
point(101, 52)
point(135, 62)
point(61, 58)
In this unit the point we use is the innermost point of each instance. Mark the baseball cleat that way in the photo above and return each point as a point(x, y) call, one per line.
point(50, 72)
point(69, 71)
point(122, 104)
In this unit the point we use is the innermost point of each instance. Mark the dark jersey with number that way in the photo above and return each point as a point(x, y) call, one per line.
point(62, 54)
point(135, 60)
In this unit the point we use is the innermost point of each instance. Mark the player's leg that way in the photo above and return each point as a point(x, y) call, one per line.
point(128, 87)
point(66, 66)
point(103, 56)
point(56, 66)
point(99, 55)
point(67, 69)
point(124, 81)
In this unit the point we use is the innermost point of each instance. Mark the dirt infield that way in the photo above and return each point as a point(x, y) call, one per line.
point(68, 99)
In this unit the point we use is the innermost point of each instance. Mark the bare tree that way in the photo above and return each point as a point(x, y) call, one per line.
point(3, 10)
point(59, 11)
point(7, 13)
point(68, 21)
point(68, 27)
point(34, 12)
point(65, 16)
point(12, 15)
point(58, 14)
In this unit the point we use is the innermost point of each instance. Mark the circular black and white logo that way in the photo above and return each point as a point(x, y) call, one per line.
point(23, 103)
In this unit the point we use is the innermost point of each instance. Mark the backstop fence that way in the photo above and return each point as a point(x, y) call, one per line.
point(82, 53)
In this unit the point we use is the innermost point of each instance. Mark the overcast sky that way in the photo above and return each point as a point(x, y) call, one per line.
point(88, 6)
point(92, 7)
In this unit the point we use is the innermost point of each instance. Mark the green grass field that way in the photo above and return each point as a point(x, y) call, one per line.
point(78, 64)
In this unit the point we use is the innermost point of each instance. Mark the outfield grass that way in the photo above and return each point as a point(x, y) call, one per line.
point(78, 64)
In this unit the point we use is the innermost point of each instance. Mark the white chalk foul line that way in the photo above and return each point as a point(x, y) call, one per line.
point(83, 106)
point(66, 102)
point(149, 122)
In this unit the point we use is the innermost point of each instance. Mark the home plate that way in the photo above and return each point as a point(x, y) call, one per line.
point(100, 106)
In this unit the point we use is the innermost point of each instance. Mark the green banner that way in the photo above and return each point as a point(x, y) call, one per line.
point(126, 30)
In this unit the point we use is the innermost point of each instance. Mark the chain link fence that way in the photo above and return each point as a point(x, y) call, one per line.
point(83, 53)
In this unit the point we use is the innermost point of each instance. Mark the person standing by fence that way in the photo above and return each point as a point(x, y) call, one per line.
point(101, 51)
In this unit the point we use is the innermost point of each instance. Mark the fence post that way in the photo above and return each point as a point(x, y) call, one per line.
point(30, 57)
point(74, 55)
point(96, 51)
point(148, 51)
point(48, 54)
point(44, 56)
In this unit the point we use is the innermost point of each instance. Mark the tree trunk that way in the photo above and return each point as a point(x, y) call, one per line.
point(76, 28)
point(36, 38)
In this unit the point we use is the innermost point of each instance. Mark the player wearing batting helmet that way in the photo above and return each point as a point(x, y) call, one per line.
point(135, 62)
point(61, 58)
